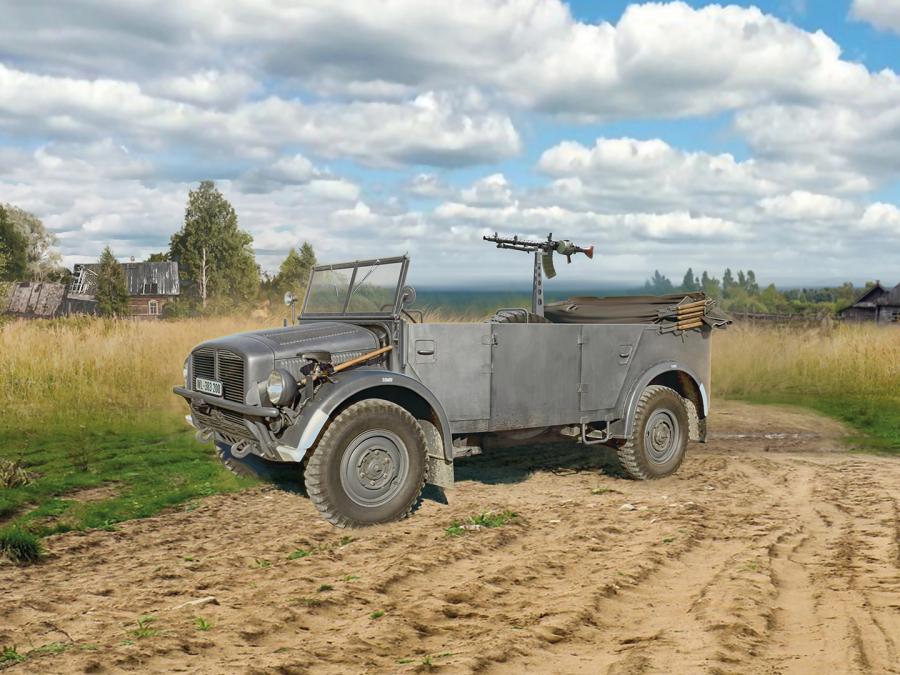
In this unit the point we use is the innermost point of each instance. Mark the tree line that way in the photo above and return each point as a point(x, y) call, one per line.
point(742, 293)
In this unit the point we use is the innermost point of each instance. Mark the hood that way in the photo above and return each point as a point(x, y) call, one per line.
point(338, 338)
point(258, 352)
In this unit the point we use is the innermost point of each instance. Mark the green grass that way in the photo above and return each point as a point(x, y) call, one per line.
point(21, 547)
point(486, 519)
point(9, 656)
point(377, 614)
point(150, 463)
point(202, 624)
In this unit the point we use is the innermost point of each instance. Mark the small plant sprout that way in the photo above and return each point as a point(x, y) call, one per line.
point(484, 520)
point(262, 563)
point(144, 629)
point(324, 588)
point(299, 553)
point(351, 577)
point(9, 655)
point(377, 614)
point(202, 624)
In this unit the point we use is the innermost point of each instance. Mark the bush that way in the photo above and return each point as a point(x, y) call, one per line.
point(21, 547)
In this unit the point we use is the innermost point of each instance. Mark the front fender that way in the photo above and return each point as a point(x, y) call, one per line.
point(304, 434)
point(648, 376)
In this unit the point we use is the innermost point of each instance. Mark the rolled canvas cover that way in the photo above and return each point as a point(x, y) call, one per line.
point(631, 309)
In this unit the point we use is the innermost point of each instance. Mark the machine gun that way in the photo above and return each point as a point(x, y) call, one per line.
point(546, 249)
point(543, 258)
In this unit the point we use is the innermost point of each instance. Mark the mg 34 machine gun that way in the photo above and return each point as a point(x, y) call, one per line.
point(543, 260)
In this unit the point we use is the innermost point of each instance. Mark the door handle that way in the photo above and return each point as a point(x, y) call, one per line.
point(425, 352)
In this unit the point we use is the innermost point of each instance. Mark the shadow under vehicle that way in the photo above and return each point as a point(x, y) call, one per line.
point(372, 402)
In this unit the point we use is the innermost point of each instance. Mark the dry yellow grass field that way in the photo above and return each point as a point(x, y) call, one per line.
point(98, 368)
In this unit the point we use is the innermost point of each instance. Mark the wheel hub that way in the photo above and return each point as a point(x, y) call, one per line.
point(661, 436)
point(374, 467)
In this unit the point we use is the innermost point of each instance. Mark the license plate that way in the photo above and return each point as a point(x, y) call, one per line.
point(208, 386)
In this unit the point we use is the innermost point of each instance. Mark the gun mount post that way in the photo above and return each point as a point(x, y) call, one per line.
point(537, 289)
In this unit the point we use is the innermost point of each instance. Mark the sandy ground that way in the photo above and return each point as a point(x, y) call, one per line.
point(771, 551)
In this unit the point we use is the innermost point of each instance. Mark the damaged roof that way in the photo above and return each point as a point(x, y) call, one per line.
point(141, 278)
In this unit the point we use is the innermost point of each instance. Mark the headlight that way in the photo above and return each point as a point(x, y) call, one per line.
point(281, 387)
point(184, 371)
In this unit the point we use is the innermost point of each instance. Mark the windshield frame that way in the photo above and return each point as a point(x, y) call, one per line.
point(355, 265)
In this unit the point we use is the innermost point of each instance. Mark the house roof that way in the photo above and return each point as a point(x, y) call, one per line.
point(891, 298)
point(40, 299)
point(141, 278)
point(870, 296)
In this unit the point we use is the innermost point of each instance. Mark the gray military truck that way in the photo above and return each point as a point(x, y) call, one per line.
point(372, 402)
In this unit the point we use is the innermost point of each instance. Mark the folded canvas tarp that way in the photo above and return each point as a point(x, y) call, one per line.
point(635, 309)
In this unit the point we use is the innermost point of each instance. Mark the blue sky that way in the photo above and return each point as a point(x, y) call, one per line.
point(750, 135)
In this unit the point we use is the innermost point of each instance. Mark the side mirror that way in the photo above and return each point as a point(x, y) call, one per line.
point(289, 299)
point(407, 296)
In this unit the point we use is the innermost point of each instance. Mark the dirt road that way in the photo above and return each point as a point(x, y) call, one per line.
point(772, 551)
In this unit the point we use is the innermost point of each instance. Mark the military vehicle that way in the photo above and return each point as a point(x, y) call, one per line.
point(371, 402)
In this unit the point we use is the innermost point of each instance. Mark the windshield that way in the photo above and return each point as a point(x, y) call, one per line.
point(374, 287)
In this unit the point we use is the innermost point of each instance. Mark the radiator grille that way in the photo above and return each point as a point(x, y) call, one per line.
point(231, 374)
point(222, 366)
point(204, 364)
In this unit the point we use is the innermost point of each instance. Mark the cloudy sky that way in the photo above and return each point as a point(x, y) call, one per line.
point(667, 134)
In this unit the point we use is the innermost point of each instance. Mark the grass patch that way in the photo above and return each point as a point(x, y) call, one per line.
point(152, 459)
point(21, 547)
point(299, 553)
point(486, 519)
point(377, 614)
point(202, 624)
point(324, 588)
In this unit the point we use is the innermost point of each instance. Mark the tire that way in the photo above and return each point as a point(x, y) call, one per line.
point(369, 465)
point(659, 436)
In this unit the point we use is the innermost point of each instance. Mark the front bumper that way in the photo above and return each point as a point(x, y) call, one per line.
point(219, 402)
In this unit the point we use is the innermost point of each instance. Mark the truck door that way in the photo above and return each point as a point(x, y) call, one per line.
point(454, 362)
point(535, 375)
point(606, 353)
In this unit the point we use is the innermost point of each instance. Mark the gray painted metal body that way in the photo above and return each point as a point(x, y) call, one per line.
point(464, 378)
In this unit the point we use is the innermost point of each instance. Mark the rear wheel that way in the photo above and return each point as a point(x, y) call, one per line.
point(369, 465)
point(659, 436)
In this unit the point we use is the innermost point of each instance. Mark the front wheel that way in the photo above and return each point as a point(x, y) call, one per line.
point(369, 465)
point(659, 436)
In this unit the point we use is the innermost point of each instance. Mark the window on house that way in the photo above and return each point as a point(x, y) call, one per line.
point(154, 308)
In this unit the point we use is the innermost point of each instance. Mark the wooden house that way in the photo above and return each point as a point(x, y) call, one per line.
point(151, 285)
point(878, 305)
